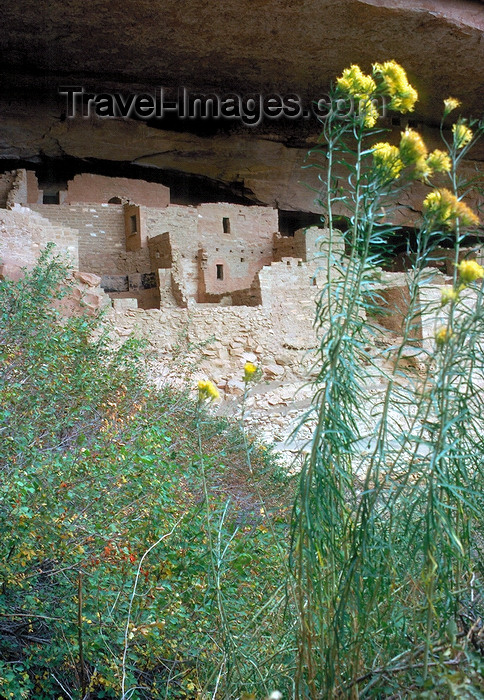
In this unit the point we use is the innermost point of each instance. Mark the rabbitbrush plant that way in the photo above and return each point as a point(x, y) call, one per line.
point(388, 526)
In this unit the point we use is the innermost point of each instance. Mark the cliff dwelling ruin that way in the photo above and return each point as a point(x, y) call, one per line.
point(153, 252)
point(211, 228)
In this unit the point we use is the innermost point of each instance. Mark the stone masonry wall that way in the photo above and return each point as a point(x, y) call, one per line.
point(6, 182)
point(102, 250)
point(181, 223)
point(288, 291)
point(236, 242)
point(98, 189)
point(199, 244)
point(102, 242)
point(19, 187)
point(24, 233)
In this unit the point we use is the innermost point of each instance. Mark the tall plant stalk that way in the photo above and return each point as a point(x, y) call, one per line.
point(381, 539)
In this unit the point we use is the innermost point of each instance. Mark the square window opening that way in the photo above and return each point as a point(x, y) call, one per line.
point(50, 198)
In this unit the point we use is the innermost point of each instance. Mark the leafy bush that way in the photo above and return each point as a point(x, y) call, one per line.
point(107, 579)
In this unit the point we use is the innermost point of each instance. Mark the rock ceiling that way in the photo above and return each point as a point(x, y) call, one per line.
point(248, 46)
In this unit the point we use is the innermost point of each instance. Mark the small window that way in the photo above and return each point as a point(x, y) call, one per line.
point(226, 224)
point(133, 224)
point(50, 198)
point(220, 272)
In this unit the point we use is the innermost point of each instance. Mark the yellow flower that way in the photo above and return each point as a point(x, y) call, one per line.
point(249, 370)
point(465, 215)
point(386, 159)
point(470, 271)
point(450, 104)
point(395, 84)
point(448, 294)
point(412, 147)
point(439, 161)
point(422, 170)
point(462, 135)
point(369, 111)
point(443, 335)
point(356, 83)
point(444, 208)
point(207, 390)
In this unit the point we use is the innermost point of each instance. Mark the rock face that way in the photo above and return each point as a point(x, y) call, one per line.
point(238, 47)
point(269, 46)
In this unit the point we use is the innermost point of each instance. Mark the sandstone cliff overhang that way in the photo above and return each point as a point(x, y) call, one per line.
point(241, 47)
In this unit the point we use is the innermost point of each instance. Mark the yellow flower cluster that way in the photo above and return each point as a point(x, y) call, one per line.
point(356, 83)
point(369, 111)
point(439, 161)
point(450, 104)
point(249, 371)
point(444, 208)
point(207, 390)
point(412, 148)
point(443, 335)
point(412, 152)
point(360, 86)
point(462, 135)
point(395, 84)
point(448, 294)
point(387, 161)
point(470, 271)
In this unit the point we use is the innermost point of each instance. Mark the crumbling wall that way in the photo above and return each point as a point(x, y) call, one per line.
point(288, 290)
point(24, 233)
point(87, 188)
point(19, 187)
point(217, 248)
point(160, 251)
point(102, 250)
point(306, 244)
point(181, 223)
point(6, 182)
point(237, 242)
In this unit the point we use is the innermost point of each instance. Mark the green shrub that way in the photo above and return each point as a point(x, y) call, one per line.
point(106, 578)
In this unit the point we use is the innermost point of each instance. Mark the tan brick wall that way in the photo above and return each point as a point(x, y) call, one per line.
point(24, 233)
point(102, 243)
point(98, 189)
point(34, 195)
point(306, 244)
point(241, 252)
point(199, 244)
point(181, 222)
point(288, 291)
